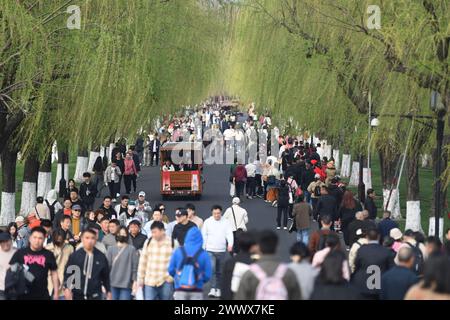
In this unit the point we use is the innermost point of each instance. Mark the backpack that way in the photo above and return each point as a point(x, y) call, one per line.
point(270, 287)
point(322, 240)
point(271, 180)
point(51, 207)
point(188, 274)
point(317, 191)
point(17, 281)
point(418, 258)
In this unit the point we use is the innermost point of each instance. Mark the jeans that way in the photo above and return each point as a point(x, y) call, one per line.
point(121, 293)
point(258, 184)
point(188, 295)
point(163, 292)
point(303, 236)
point(217, 260)
point(282, 211)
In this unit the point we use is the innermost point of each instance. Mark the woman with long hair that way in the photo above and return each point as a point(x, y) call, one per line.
point(347, 210)
point(13, 232)
point(331, 283)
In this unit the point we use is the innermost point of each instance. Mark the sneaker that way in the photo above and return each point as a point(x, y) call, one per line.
point(212, 293)
point(250, 197)
point(267, 201)
point(218, 293)
point(285, 228)
point(278, 228)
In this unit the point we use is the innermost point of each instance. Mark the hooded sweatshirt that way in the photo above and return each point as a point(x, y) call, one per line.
point(192, 243)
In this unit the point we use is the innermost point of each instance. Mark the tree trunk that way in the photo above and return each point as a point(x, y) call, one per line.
point(82, 165)
point(29, 185)
point(45, 177)
point(62, 162)
point(413, 214)
point(391, 200)
point(8, 203)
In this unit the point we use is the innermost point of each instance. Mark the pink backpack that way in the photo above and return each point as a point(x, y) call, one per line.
point(270, 288)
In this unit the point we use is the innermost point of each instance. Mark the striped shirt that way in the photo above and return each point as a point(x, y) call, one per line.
point(154, 262)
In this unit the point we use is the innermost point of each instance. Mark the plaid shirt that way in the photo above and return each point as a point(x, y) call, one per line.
point(154, 262)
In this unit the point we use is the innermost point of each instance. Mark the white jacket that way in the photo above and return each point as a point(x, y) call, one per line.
point(241, 217)
point(217, 235)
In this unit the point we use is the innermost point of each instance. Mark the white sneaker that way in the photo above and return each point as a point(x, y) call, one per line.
point(212, 293)
point(285, 228)
point(278, 228)
point(218, 293)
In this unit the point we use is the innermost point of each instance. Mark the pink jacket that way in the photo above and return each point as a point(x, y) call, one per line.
point(130, 167)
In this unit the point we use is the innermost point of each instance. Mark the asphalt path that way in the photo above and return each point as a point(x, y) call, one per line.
point(215, 191)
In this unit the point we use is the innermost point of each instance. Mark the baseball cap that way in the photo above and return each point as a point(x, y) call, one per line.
point(76, 207)
point(236, 200)
point(142, 193)
point(181, 212)
point(20, 219)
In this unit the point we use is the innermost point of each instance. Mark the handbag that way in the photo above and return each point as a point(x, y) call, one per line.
point(293, 226)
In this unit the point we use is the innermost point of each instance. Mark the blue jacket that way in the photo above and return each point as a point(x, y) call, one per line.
point(192, 243)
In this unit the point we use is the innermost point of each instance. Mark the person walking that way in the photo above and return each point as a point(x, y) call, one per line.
point(189, 281)
point(218, 239)
point(370, 205)
point(192, 215)
point(386, 224)
point(251, 180)
point(153, 147)
point(318, 238)
point(235, 267)
point(40, 263)
point(88, 191)
point(313, 189)
point(112, 179)
point(123, 264)
point(268, 278)
point(396, 282)
point(237, 217)
point(129, 172)
point(282, 204)
point(61, 251)
point(240, 179)
point(120, 162)
point(137, 237)
point(181, 228)
point(369, 255)
point(6, 253)
point(95, 271)
point(301, 214)
point(346, 213)
point(306, 274)
point(331, 283)
point(153, 275)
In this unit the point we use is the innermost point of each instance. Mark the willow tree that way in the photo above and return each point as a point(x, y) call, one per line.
point(277, 41)
point(129, 62)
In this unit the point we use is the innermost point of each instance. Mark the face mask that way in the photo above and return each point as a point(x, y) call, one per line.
point(122, 239)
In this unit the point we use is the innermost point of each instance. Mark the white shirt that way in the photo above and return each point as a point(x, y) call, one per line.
point(241, 216)
point(228, 134)
point(217, 235)
point(251, 170)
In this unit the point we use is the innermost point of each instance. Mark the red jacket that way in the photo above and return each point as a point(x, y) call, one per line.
point(240, 174)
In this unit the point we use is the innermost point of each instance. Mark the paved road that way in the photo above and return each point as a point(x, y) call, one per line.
point(216, 191)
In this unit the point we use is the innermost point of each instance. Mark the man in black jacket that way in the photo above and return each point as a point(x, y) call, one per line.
point(370, 205)
point(326, 206)
point(88, 191)
point(234, 268)
point(108, 208)
point(307, 177)
point(372, 260)
point(87, 271)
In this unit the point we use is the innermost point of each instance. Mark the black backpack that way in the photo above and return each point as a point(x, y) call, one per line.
point(418, 258)
point(323, 240)
point(51, 207)
point(317, 191)
point(17, 281)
